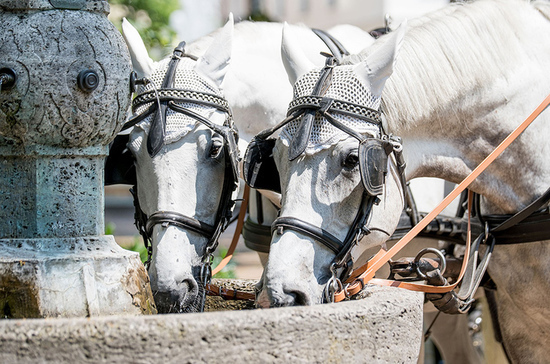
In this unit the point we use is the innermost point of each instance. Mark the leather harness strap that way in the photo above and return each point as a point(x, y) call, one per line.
point(526, 212)
point(237, 233)
point(229, 294)
point(179, 220)
point(336, 48)
point(232, 294)
point(366, 272)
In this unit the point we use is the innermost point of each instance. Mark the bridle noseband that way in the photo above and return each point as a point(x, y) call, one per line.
point(159, 101)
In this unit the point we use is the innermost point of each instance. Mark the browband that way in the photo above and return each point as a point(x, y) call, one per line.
point(339, 106)
point(181, 95)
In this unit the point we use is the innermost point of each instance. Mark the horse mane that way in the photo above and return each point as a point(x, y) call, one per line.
point(448, 55)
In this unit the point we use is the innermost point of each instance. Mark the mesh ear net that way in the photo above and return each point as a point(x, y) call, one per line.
point(345, 86)
point(177, 124)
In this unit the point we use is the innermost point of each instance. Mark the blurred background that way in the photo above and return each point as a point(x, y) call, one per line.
point(163, 23)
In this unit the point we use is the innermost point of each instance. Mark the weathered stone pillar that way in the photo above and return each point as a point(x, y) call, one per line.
point(64, 70)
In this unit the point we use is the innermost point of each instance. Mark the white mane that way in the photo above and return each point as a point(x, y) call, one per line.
point(470, 45)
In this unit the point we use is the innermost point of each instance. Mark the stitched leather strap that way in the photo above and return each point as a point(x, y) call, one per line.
point(181, 96)
point(177, 219)
point(228, 294)
point(321, 235)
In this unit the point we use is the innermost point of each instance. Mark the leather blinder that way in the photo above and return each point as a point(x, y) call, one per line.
point(373, 164)
point(232, 152)
point(260, 170)
point(119, 165)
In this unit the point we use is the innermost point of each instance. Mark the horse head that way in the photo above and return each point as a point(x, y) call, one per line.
point(183, 142)
point(342, 189)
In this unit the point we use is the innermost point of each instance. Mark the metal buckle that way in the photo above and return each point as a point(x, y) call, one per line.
point(333, 285)
point(206, 269)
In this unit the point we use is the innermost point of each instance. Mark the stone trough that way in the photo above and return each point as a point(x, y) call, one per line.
point(383, 327)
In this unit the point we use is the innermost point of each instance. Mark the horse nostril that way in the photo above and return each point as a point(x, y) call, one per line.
point(298, 298)
point(190, 286)
point(178, 298)
point(165, 301)
point(289, 298)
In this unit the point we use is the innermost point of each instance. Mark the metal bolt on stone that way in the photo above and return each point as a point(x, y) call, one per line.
point(64, 93)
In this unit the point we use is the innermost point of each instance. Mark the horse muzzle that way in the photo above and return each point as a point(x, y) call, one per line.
point(179, 298)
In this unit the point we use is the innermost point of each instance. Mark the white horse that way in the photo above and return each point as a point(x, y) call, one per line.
point(186, 176)
point(466, 76)
point(256, 86)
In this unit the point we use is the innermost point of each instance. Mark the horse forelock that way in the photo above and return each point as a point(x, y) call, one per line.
point(448, 55)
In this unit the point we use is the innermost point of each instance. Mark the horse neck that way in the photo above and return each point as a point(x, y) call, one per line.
point(453, 98)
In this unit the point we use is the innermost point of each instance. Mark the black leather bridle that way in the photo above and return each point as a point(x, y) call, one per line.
point(160, 101)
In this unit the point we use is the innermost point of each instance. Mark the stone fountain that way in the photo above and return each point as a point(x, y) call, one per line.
point(64, 93)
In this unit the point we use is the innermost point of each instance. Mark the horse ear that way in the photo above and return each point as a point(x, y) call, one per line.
point(295, 61)
point(141, 62)
point(379, 63)
point(215, 61)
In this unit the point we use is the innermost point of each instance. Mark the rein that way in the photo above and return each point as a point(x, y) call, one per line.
point(365, 273)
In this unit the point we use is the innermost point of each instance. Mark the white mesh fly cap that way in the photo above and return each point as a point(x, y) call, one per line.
point(177, 124)
point(345, 86)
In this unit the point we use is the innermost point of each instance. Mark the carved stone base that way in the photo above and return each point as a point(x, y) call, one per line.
point(72, 277)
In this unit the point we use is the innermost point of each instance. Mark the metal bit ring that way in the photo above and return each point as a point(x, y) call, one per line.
point(442, 264)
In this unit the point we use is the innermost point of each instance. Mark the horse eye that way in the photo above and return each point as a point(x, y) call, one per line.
point(216, 148)
point(352, 160)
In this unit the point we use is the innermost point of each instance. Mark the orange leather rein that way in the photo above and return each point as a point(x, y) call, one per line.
point(230, 294)
point(365, 273)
